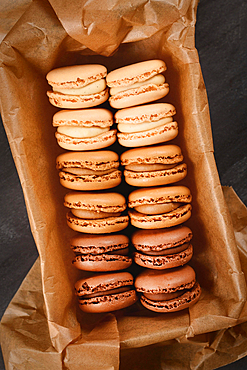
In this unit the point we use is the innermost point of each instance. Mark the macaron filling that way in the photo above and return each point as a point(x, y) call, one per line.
point(164, 296)
point(145, 167)
point(81, 132)
point(155, 209)
point(87, 171)
point(90, 89)
point(168, 251)
point(157, 80)
point(107, 292)
point(144, 126)
point(86, 214)
point(122, 252)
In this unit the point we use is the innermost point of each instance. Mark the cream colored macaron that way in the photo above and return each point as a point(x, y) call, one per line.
point(84, 129)
point(96, 170)
point(96, 212)
point(137, 84)
point(78, 86)
point(146, 124)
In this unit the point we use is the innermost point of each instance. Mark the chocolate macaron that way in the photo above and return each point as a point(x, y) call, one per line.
point(79, 86)
point(162, 248)
point(97, 253)
point(159, 207)
point(137, 84)
point(146, 125)
point(84, 129)
point(153, 165)
point(96, 170)
point(106, 292)
point(168, 290)
point(96, 212)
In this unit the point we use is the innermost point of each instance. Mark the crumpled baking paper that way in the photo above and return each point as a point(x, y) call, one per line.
point(43, 326)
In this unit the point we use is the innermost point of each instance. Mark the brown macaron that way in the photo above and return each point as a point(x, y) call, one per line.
point(146, 125)
point(168, 290)
point(84, 129)
point(79, 86)
point(159, 207)
point(97, 253)
point(153, 165)
point(162, 248)
point(96, 170)
point(137, 84)
point(96, 212)
point(106, 292)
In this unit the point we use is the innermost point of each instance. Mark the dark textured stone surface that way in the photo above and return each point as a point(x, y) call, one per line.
point(222, 44)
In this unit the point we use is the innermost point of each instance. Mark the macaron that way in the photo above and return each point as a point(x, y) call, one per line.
point(161, 249)
point(95, 170)
point(137, 84)
point(78, 86)
point(106, 292)
point(96, 212)
point(153, 165)
point(159, 207)
point(146, 125)
point(97, 253)
point(168, 290)
point(84, 129)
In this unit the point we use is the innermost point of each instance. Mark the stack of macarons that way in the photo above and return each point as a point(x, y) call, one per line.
point(158, 207)
point(155, 207)
point(88, 169)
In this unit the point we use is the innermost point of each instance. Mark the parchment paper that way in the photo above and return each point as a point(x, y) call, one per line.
point(43, 324)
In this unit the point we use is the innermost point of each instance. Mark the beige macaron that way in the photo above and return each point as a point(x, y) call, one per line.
point(95, 170)
point(96, 212)
point(84, 129)
point(78, 86)
point(146, 125)
point(137, 84)
point(159, 207)
point(153, 165)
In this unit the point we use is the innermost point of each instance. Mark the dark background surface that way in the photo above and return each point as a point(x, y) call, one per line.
point(221, 40)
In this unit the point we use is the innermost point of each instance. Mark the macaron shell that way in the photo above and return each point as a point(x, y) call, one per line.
point(159, 195)
point(90, 182)
point(76, 76)
point(102, 262)
point(156, 178)
point(96, 201)
point(97, 142)
point(108, 303)
point(167, 281)
point(165, 154)
point(141, 95)
point(103, 282)
point(164, 262)
point(173, 305)
point(96, 160)
point(97, 226)
point(83, 118)
point(77, 101)
point(160, 239)
point(157, 135)
point(145, 113)
point(174, 218)
point(97, 244)
point(136, 72)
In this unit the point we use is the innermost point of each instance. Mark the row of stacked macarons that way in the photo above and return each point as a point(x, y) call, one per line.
point(89, 129)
